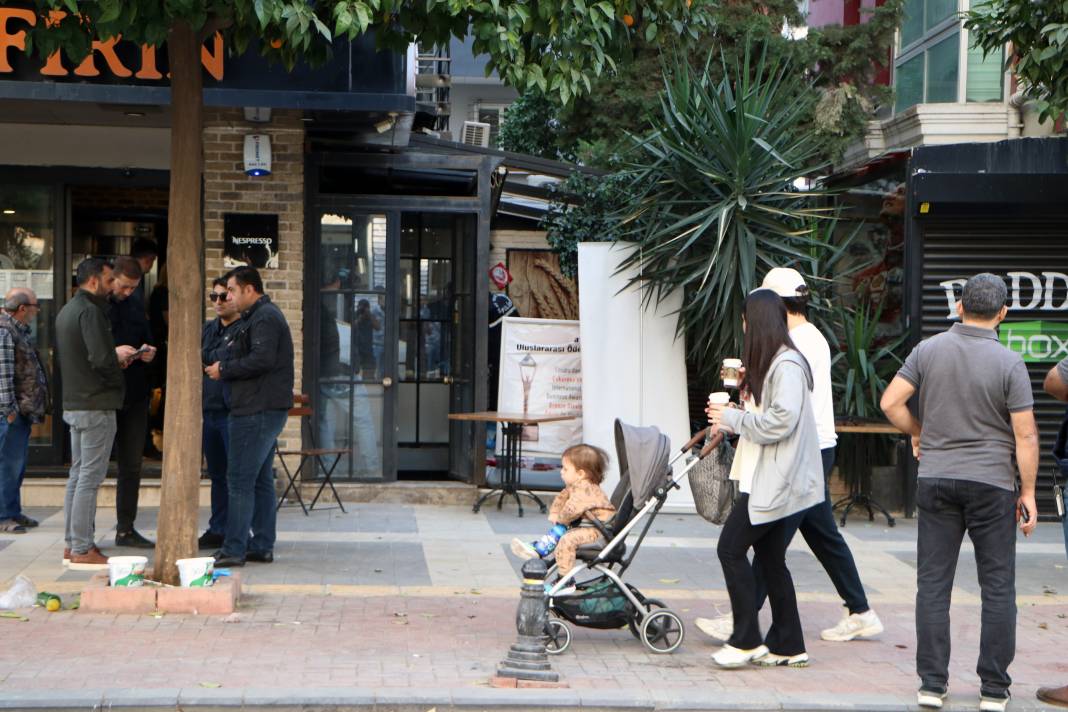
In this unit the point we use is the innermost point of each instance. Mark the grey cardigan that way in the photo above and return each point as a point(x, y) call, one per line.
point(789, 470)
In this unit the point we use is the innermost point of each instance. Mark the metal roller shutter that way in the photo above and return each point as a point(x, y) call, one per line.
point(957, 249)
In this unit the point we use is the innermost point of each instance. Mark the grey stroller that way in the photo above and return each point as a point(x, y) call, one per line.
point(606, 601)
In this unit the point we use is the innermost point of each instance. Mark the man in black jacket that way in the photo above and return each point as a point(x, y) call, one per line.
point(259, 370)
point(215, 345)
point(129, 327)
point(92, 391)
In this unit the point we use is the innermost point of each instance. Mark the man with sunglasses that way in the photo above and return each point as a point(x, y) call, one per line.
point(215, 344)
point(23, 402)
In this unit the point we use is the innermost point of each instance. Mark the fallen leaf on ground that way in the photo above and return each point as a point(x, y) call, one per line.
point(476, 592)
point(378, 571)
point(398, 614)
point(211, 684)
point(902, 647)
point(669, 580)
point(1044, 626)
point(13, 616)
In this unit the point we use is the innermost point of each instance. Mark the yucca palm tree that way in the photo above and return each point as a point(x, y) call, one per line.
point(716, 197)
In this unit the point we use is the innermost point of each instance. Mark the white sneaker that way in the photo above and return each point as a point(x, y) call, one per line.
point(854, 625)
point(731, 657)
point(993, 704)
point(931, 699)
point(720, 627)
point(523, 550)
point(772, 660)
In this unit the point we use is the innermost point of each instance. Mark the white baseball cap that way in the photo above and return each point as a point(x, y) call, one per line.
point(786, 282)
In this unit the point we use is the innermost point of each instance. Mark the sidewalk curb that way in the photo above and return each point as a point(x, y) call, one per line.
point(354, 699)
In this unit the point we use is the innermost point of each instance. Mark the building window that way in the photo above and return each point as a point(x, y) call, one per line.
point(492, 114)
point(930, 67)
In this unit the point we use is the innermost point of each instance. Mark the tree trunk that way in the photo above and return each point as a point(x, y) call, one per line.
point(177, 532)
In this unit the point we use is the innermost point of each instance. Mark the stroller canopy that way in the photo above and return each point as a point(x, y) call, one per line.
point(643, 454)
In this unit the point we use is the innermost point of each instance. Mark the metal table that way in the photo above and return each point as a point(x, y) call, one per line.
point(860, 491)
point(511, 452)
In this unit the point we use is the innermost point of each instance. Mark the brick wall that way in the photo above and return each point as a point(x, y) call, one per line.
point(107, 197)
point(228, 190)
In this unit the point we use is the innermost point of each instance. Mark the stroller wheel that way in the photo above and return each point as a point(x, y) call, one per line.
point(558, 636)
point(662, 631)
point(635, 623)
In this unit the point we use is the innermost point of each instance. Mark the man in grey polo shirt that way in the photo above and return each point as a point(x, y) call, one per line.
point(974, 414)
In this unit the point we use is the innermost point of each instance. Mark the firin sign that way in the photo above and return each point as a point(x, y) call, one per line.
point(1039, 340)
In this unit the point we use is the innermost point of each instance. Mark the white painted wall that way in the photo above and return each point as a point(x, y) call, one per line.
point(85, 146)
point(633, 367)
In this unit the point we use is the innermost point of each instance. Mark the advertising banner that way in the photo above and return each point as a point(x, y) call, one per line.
point(541, 369)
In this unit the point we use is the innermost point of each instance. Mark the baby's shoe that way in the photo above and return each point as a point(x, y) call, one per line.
point(524, 550)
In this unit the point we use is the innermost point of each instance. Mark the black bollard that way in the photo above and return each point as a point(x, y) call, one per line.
point(527, 659)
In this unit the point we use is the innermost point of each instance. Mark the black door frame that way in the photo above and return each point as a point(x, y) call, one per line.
point(466, 443)
point(60, 179)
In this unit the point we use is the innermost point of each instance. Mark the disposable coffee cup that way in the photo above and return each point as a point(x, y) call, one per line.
point(719, 398)
point(195, 573)
point(127, 571)
point(732, 372)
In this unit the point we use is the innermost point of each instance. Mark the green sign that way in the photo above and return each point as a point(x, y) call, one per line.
point(1036, 341)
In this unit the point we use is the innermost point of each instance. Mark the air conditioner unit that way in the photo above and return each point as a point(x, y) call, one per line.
point(476, 133)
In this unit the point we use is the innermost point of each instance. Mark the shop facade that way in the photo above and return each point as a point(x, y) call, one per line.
point(377, 250)
point(995, 207)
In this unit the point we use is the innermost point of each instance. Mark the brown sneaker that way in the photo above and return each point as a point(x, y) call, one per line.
point(66, 554)
point(92, 560)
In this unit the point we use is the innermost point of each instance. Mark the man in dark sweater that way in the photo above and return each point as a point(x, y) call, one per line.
point(92, 391)
point(259, 369)
point(215, 345)
point(129, 327)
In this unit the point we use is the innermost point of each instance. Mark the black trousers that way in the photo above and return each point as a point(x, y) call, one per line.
point(948, 508)
point(131, 428)
point(769, 542)
point(823, 538)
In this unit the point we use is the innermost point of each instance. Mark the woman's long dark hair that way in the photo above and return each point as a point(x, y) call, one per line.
point(765, 334)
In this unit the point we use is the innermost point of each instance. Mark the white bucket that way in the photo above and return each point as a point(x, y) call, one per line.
point(195, 572)
point(127, 571)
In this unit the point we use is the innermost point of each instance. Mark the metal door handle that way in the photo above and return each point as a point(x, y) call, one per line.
point(387, 382)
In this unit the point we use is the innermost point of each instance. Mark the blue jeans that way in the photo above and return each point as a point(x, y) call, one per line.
point(14, 445)
point(947, 509)
point(823, 538)
point(250, 482)
point(216, 436)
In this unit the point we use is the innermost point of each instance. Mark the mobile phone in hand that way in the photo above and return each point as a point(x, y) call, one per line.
point(1025, 515)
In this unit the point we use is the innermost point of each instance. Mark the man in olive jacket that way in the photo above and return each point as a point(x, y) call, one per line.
point(92, 366)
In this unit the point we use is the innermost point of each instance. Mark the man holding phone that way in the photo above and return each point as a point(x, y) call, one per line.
point(129, 327)
point(974, 415)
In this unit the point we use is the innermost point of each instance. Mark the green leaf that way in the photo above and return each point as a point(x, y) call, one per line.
point(650, 32)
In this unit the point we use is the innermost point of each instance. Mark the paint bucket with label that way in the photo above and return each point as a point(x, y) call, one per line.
point(196, 572)
point(127, 571)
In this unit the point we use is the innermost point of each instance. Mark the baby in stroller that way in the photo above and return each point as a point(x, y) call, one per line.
point(583, 468)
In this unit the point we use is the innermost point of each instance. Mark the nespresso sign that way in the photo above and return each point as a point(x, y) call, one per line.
point(111, 59)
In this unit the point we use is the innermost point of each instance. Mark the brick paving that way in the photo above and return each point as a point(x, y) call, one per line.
point(415, 604)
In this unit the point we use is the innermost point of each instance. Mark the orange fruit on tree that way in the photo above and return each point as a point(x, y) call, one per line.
point(628, 20)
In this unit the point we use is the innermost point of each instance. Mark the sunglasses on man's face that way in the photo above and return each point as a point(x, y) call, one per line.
point(216, 297)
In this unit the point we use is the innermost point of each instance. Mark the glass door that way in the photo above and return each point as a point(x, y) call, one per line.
point(357, 345)
point(28, 218)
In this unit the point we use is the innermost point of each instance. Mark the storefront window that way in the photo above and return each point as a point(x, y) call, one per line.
point(27, 255)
